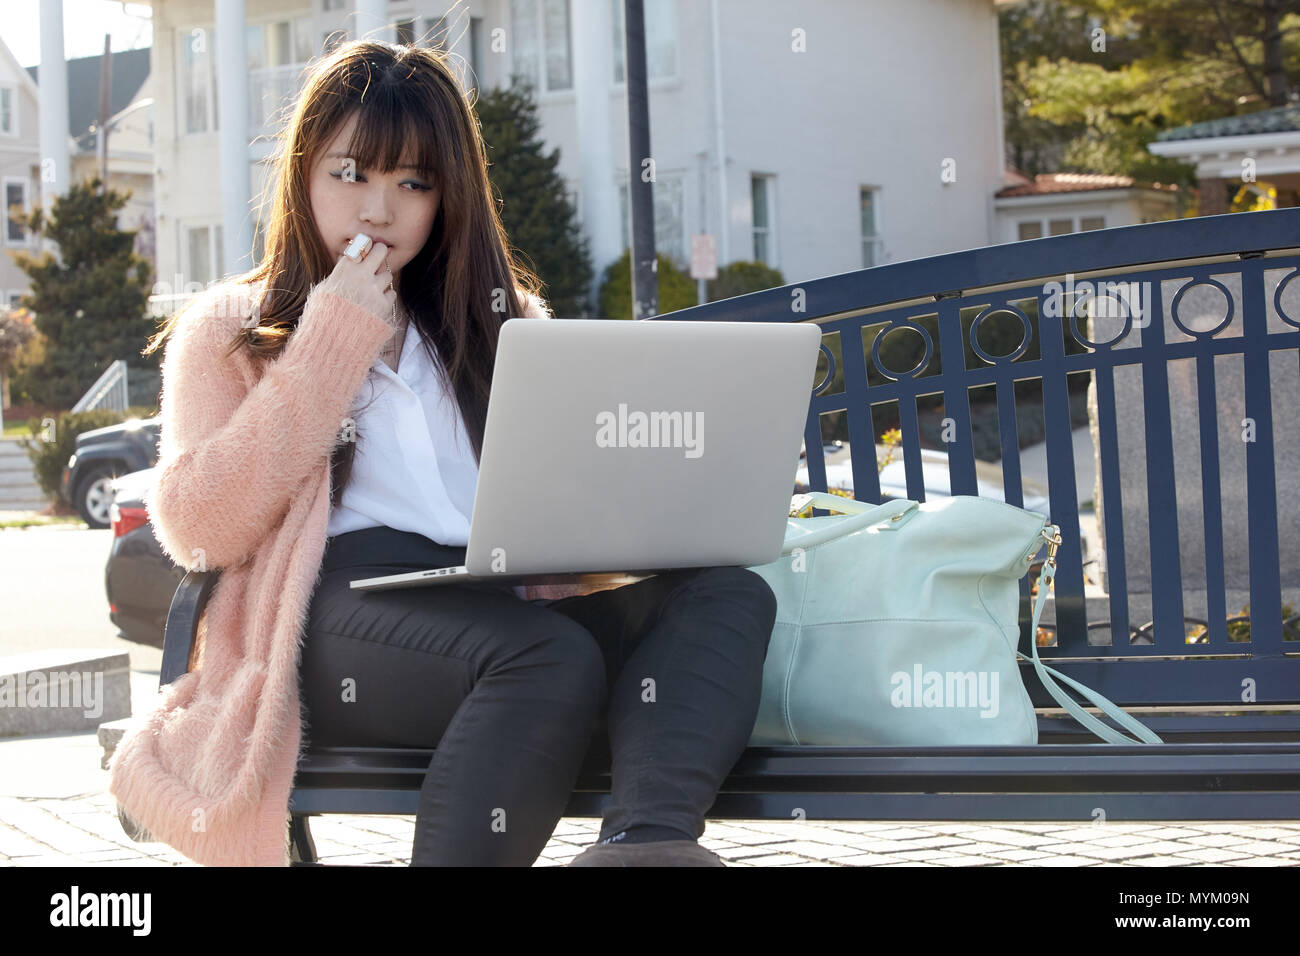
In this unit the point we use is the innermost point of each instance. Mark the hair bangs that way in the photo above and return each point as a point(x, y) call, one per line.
point(385, 136)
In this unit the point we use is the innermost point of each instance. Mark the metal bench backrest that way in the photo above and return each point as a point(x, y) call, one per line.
point(1251, 258)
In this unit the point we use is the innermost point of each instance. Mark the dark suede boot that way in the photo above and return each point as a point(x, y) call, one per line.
point(659, 853)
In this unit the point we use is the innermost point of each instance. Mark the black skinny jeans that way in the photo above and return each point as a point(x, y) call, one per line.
point(513, 693)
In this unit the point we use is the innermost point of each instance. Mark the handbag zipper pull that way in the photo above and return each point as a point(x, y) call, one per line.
point(1052, 535)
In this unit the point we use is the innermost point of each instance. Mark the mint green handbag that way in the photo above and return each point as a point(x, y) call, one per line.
point(897, 625)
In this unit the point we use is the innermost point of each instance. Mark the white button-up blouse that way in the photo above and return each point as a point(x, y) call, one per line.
point(414, 467)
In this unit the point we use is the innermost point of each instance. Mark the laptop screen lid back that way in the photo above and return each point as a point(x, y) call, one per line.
point(637, 445)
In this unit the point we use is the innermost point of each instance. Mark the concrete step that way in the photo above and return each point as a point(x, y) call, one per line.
point(19, 489)
point(22, 508)
point(68, 689)
point(28, 501)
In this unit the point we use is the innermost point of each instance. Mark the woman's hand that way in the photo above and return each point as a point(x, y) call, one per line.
point(368, 283)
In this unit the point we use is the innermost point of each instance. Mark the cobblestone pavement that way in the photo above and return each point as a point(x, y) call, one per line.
point(84, 831)
point(55, 810)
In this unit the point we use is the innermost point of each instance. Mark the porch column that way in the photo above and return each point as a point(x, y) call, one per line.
point(53, 88)
point(593, 72)
point(372, 21)
point(232, 126)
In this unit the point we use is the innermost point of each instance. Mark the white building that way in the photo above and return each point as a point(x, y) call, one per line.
point(1055, 204)
point(20, 162)
point(130, 165)
point(851, 133)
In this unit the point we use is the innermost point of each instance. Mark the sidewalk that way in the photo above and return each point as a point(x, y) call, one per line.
point(83, 830)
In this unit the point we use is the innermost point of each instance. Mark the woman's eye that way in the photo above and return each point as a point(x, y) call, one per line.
point(357, 177)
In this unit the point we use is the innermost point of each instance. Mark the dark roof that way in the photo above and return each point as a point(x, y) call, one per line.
point(1279, 119)
point(130, 70)
point(1073, 183)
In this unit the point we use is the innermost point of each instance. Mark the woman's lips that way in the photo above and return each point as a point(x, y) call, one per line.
point(372, 239)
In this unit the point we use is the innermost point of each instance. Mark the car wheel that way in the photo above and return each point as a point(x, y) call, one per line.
point(94, 495)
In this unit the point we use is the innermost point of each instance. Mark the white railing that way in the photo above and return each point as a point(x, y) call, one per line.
point(162, 305)
point(109, 390)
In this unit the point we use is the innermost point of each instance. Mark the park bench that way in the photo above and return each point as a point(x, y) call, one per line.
point(1164, 640)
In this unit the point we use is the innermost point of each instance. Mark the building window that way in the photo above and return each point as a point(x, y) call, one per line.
point(204, 262)
point(670, 234)
point(269, 44)
point(404, 32)
point(475, 49)
point(541, 52)
point(15, 297)
point(437, 34)
point(333, 4)
point(871, 241)
point(1033, 228)
point(660, 39)
point(275, 52)
point(196, 64)
point(7, 125)
point(763, 202)
point(573, 189)
point(15, 201)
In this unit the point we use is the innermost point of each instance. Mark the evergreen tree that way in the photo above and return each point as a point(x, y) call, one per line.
point(538, 218)
point(90, 300)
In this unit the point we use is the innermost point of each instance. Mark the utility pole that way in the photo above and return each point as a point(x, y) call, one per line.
point(640, 167)
point(105, 82)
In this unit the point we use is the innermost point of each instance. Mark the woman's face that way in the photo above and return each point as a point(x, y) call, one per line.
point(396, 208)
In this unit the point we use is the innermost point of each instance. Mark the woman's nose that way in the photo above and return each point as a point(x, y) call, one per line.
point(376, 209)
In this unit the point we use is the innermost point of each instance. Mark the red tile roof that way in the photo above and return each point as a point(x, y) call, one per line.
point(1073, 183)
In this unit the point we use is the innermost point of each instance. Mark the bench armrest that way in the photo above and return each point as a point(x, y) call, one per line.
point(183, 623)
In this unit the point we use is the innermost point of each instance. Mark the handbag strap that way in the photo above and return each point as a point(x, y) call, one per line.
point(829, 502)
point(863, 515)
point(1109, 734)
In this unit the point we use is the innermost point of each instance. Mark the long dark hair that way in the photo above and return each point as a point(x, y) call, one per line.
point(459, 288)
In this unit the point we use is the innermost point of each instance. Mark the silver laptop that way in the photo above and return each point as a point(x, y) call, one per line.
point(634, 447)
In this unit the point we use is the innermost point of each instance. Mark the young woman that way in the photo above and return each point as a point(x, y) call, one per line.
point(378, 305)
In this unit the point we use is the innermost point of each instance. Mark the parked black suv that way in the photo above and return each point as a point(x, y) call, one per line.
point(103, 454)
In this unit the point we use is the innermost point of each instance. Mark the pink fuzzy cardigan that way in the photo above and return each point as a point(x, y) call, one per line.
point(243, 485)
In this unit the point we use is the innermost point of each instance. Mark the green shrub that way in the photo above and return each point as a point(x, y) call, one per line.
point(1237, 630)
point(742, 278)
point(676, 288)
